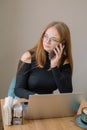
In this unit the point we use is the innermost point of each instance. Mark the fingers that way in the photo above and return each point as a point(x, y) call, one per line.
point(59, 49)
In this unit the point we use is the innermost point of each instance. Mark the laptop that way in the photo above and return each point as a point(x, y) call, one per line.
point(46, 106)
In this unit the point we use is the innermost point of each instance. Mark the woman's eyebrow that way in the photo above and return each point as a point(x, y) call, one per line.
point(51, 37)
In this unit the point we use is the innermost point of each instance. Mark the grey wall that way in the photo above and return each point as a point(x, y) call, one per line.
point(21, 23)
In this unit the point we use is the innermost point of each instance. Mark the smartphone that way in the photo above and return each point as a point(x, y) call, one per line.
point(52, 53)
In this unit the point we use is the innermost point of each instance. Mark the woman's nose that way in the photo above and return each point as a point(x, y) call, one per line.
point(48, 41)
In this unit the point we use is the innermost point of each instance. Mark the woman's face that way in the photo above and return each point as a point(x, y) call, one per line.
point(51, 38)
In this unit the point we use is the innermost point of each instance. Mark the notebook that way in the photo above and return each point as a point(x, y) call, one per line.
point(46, 106)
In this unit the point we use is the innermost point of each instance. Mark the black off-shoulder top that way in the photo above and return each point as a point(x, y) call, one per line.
point(31, 79)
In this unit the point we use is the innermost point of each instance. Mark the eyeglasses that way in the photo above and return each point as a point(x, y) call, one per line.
point(52, 40)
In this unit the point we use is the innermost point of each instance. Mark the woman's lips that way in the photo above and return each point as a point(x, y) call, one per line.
point(47, 46)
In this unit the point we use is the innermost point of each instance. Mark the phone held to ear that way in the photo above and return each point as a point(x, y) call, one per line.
point(52, 53)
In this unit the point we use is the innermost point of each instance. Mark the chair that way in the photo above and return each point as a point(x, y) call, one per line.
point(11, 88)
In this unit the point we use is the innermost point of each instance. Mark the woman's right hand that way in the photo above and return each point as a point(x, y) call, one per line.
point(58, 54)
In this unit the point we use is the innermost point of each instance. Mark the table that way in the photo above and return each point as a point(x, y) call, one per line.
point(66, 123)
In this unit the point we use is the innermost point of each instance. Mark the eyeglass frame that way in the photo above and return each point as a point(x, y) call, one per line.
point(52, 39)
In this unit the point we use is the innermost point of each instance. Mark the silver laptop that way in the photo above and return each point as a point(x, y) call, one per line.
point(52, 105)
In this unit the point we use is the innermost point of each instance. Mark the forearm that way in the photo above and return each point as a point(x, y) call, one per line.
point(63, 80)
point(22, 93)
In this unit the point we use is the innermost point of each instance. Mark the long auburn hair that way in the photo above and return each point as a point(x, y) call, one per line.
point(64, 32)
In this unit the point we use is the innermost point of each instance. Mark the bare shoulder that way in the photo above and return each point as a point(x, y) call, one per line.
point(26, 57)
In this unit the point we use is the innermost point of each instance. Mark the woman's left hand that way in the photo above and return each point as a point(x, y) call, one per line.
point(58, 53)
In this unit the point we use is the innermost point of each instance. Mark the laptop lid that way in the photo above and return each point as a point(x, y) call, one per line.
point(53, 105)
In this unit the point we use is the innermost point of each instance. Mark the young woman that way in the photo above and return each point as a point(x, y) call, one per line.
point(48, 65)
